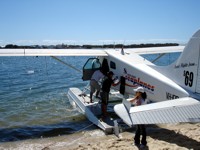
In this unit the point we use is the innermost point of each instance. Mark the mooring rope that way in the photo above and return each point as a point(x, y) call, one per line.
point(47, 147)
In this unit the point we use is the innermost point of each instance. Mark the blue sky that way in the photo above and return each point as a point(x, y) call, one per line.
point(30, 22)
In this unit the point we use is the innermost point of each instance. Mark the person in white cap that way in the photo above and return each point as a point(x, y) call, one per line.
point(139, 99)
point(140, 96)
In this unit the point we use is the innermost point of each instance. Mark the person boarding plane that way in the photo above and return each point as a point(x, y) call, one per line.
point(174, 90)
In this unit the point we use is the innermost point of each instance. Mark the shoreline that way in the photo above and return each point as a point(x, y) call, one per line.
point(182, 136)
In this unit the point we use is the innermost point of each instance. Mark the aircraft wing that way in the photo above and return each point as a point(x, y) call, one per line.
point(156, 50)
point(86, 52)
point(52, 52)
point(171, 111)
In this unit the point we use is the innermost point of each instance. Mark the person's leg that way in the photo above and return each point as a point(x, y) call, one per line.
point(137, 135)
point(92, 89)
point(98, 88)
point(97, 93)
point(144, 142)
point(103, 109)
point(91, 96)
point(104, 104)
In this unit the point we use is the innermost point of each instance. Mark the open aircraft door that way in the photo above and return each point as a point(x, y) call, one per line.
point(90, 67)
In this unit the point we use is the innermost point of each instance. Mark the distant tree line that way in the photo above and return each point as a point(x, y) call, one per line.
point(129, 46)
point(65, 46)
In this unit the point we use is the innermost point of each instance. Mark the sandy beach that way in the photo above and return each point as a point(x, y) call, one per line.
point(159, 137)
point(162, 137)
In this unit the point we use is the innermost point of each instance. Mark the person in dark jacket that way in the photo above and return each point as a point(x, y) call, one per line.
point(106, 85)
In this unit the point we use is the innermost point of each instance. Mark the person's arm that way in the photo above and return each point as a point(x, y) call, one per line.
point(134, 99)
point(116, 82)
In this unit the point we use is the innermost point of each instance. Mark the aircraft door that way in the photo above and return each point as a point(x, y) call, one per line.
point(105, 67)
point(90, 67)
point(122, 85)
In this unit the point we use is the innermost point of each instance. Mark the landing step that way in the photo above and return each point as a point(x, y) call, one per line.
point(91, 110)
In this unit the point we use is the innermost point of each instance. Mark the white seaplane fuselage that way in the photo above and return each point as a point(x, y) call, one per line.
point(138, 71)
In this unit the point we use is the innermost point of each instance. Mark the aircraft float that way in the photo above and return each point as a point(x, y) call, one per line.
point(174, 90)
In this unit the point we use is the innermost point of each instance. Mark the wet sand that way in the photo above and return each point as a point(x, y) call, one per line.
point(159, 137)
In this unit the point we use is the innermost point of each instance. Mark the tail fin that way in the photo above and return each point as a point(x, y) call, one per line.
point(186, 70)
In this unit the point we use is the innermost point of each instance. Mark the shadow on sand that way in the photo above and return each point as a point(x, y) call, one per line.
point(171, 136)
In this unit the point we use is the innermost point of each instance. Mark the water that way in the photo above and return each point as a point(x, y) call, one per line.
point(33, 100)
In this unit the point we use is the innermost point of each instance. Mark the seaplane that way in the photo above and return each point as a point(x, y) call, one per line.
point(174, 90)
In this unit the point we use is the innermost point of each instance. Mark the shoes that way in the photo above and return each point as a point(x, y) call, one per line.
point(89, 102)
point(135, 144)
point(139, 146)
point(142, 146)
point(98, 97)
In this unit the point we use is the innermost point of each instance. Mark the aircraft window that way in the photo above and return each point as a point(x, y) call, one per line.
point(92, 63)
point(96, 64)
point(112, 65)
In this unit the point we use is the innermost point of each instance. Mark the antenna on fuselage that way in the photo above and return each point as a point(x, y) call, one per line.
point(122, 51)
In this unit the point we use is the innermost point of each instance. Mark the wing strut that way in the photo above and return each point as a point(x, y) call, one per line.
point(56, 58)
point(161, 55)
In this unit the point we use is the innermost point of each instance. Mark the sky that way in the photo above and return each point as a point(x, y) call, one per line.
point(50, 22)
